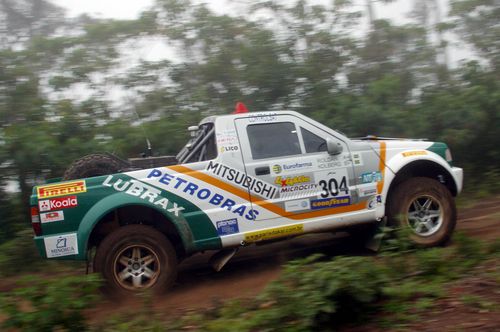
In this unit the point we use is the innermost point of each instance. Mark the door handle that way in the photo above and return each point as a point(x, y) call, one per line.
point(262, 170)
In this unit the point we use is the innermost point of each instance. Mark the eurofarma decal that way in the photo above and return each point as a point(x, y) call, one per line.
point(227, 227)
point(197, 192)
point(61, 189)
point(291, 167)
point(235, 176)
point(62, 245)
point(146, 192)
point(330, 202)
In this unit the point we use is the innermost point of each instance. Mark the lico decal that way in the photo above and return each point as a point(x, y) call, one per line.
point(61, 189)
point(138, 189)
point(58, 203)
point(414, 153)
point(371, 177)
point(227, 227)
point(61, 245)
point(203, 194)
point(330, 202)
point(51, 216)
point(273, 233)
point(231, 148)
point(255, 185)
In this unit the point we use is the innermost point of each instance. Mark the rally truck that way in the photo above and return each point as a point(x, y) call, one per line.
point(242, 179)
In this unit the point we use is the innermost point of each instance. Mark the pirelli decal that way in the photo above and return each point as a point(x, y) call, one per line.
point(274, 233)
point(61, 189)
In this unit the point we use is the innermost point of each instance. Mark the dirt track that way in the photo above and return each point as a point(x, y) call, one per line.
point(248, 273)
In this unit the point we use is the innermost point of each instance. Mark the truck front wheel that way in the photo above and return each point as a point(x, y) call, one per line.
point(426, 207)
point(135, 258)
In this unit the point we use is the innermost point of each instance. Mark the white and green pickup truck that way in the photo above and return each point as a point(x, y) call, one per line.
point(243, 178)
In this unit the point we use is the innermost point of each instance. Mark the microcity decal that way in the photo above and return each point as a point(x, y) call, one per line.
point(58, 203)
point(61, 189)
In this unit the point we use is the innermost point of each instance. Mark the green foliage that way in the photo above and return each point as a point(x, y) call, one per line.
point(49, 304)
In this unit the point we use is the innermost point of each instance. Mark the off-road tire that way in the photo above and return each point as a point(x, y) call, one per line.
point(401, 204)
point(92, 165)
point(111, 251)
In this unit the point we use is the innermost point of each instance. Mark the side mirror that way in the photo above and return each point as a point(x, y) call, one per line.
point(333, 147)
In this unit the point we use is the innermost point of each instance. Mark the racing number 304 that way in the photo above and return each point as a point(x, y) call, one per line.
point(332, 187)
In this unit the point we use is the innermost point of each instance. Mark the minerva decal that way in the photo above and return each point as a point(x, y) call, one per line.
point(269, 234)
point(62, 245)
point(146, 192)
point(256, 186)
point(201, 193)
point(61, 189)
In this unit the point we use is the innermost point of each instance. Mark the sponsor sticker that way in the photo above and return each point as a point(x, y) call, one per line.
point(58, 203)
point(297, 205)
point(227, 227)
point(371, 177)
point(143, 191)
point(330, 162)
point(367, 191)
point(62, 245)
point(330, 202)
point(197, 192)
point(333, 183)
point(357, 160)
point(291, 167)
point(414, 153)
point(274, 233)
point(61, 189)
point(231, 148)
point(291, 180)
point(240, 178)
point(51, 216)
point(267, 117)
point(374, 202)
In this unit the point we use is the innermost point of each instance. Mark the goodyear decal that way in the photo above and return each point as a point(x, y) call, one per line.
point(274, 233)
point(330, 202)
point(61, 189)
point(235, 176)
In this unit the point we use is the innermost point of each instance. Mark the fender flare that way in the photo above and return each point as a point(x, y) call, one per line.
point(397, 163)
point(118, 200)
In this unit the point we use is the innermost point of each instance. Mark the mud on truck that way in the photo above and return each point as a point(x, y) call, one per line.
point(241, 179)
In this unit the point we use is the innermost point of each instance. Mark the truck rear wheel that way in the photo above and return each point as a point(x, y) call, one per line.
point(426, 207)
point(92, 165)
point(136, 258)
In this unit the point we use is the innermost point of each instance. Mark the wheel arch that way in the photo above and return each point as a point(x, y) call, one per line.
point(422, 168)
point(119, 210)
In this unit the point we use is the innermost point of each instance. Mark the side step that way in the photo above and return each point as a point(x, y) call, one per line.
point(220, 258)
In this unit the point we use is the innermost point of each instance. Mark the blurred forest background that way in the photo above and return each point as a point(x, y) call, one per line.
point(74, 86)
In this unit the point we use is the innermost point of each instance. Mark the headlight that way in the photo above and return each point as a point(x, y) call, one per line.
point(448, 156)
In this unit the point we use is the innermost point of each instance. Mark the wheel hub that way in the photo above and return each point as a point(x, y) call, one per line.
point(425, 215)
point(137, 267)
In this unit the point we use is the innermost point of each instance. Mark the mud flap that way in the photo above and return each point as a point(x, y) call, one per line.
point(220, 258)
point(374, 242)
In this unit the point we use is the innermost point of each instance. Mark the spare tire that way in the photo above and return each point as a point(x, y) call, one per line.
point(92, 165)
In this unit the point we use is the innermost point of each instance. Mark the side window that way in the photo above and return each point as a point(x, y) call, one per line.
point(313, 142)
point(270, 140)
